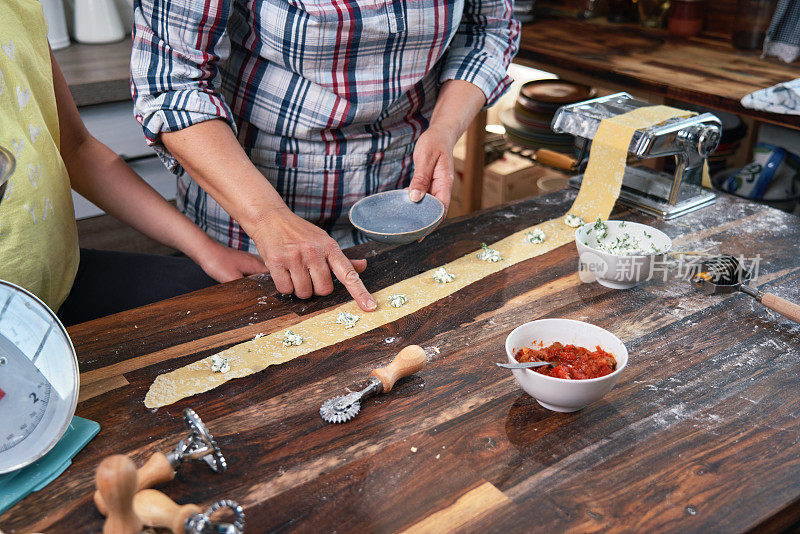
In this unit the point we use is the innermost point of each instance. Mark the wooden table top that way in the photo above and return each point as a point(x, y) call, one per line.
point(706, 70)
point(701, 432)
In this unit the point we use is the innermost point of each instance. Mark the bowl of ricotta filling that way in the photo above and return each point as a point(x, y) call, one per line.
point(621, 254)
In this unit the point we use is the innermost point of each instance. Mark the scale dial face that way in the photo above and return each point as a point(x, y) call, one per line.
point(38, 378)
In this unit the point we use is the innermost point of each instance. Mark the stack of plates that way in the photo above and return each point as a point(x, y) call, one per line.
point(528, 124)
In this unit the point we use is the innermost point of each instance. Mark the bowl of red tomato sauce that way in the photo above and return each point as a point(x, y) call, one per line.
point(585, 362)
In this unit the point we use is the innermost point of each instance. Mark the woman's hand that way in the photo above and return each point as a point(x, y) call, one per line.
point(457, 104)
point(224, 264)
point(300, 257)
point(433, 165)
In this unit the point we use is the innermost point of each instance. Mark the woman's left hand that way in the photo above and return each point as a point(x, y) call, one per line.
point(224, 264)
point(433, 165)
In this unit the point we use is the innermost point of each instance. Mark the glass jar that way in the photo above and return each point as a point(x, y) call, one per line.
point(652, 12)
point(752, 20)
point(686, 18)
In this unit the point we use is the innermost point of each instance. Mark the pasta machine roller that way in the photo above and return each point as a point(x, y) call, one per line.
point(690, 140)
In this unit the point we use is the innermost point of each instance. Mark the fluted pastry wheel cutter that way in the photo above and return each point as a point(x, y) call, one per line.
point(381, 380)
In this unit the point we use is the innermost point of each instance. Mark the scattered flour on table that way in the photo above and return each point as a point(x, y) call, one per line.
point(431, 353)
point(774, 222)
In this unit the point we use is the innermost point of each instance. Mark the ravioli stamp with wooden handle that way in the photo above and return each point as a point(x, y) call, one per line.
point(116, 483)
point(199, 445)
point(157, 510)
point(381, 380)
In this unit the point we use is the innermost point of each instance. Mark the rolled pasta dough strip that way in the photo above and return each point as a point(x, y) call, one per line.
point(596, 198)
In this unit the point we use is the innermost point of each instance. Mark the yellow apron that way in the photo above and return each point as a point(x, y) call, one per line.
point(38, 237)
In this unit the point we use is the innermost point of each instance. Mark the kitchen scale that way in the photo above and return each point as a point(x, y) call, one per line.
point(38, 393)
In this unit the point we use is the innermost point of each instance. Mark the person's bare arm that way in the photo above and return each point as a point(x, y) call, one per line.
point(299, 255)
point(101, 176)
point(457, 104)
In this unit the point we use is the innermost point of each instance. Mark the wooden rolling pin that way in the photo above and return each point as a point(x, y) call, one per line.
point(157, 470)
point(554, 159)
point(116, 483)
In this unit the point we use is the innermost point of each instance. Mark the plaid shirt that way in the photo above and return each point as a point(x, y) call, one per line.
point(327, 96)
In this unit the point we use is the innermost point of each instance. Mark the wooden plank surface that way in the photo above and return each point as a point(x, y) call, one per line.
point(700, 434)
point(705, 70)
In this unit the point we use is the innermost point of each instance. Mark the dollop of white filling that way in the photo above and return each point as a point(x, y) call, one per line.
point(489, 254)
point(395, 301)
point(534, 237)
point(347, 319)
point(220, 364)
point(573, 221)
point(291, 339)
point(441, 276)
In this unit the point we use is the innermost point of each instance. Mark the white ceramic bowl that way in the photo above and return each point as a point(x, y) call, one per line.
point(611, 270)
point(559, 394)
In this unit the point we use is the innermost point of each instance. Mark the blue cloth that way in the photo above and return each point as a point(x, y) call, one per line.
point(783, 34)
point(782, 98)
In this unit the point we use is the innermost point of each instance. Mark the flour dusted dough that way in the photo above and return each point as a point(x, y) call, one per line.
point(596, 198)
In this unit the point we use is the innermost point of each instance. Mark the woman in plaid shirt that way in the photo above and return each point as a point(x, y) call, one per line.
point(329, 100)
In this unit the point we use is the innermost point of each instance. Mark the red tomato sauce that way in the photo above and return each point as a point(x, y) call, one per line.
point(569, 361)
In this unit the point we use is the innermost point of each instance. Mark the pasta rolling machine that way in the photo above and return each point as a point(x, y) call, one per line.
point(689, 140)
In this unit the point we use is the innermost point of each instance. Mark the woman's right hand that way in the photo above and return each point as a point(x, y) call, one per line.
point(300, 257)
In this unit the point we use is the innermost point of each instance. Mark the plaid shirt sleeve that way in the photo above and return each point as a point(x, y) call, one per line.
point(483, 46)
point(177, 45)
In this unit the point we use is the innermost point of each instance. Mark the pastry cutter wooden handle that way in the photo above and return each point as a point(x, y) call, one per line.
point(343, 408)
point(157, 510)
point(724, 274)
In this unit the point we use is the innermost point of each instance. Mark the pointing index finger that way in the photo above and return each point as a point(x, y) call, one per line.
point(346, 273)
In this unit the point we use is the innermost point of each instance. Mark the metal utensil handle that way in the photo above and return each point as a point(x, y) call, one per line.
point(407, 362)
point(782, 306)
point(523, 365)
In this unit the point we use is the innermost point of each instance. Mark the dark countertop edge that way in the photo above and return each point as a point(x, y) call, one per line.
point(92, 94)
point(97, 73)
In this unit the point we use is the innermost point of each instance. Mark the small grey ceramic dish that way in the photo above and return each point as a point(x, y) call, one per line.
point(391, 217)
